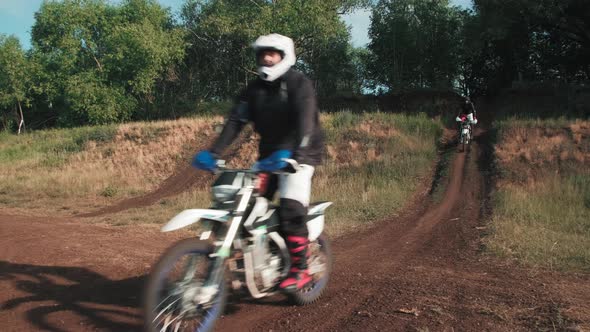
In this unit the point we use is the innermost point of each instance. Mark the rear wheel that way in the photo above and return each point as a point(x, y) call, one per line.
point(179, 295)
point(320, 267)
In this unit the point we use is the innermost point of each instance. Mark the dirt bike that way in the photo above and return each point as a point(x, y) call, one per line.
point(465, 135)
point(239, 248)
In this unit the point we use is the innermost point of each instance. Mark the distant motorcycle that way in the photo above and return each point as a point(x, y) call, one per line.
point(239, 248)
point(465, 135)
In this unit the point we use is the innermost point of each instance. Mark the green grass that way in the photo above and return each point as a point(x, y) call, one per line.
point(548, 225)
point(366, 189)
point(527, 121)
point(541, 211)
point(50, 147)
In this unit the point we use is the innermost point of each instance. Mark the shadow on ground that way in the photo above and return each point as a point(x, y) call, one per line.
point(97, 301)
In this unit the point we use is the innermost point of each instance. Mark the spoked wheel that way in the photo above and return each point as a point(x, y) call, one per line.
point(179, 296)
point(320, 267)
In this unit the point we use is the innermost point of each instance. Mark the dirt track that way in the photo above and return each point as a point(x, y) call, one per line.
point(422, 271)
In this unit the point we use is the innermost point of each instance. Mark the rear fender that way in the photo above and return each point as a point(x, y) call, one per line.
point(191, 216)
point(315, 222)
point(318, 208)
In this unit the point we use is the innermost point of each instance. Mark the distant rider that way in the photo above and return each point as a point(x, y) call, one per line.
point(467, 113)
point(282, 105)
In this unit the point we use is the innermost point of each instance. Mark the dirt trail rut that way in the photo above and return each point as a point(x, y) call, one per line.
point(421, 271)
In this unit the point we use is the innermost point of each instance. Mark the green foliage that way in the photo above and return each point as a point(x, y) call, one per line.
point(93, 101)
point(344, 120)
point(220, 61)
point(95, 61)
point(109, 191)
point(143, 47)
point(383, 183)
point(100, 61)
point(433, 44)
point(14, 79)
point(51, 147)
point(528, 40)
point(415, 43)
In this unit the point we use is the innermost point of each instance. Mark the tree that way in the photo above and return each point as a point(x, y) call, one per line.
point(528, 40)
point(220, 61)
point(415, 43)
point(101, 62)
point(14, 81)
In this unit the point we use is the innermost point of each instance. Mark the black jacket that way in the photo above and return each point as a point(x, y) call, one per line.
point(467, 108)
point(284, 113)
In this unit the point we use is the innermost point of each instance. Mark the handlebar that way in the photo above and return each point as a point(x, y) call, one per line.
point(291, 168)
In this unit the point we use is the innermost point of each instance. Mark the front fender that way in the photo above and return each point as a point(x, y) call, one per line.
point(189, 217)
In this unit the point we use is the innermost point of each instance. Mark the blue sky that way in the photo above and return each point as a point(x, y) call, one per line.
point(16, 17)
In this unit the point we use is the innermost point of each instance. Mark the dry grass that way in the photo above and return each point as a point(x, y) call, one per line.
point(132, 159)
point(542, 205)
point(533, 150)
point(375, 162)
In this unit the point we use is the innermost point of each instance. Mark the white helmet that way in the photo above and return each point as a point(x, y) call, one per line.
point(280, 43)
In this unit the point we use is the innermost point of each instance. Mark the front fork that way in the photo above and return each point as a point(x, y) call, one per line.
point(222, 251)
point(200, 295)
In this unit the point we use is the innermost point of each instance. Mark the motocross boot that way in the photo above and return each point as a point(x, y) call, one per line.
point(298, 276)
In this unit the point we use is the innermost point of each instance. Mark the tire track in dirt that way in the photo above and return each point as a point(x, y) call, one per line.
point(421, 270)
point(184, 178)
point(359, 263)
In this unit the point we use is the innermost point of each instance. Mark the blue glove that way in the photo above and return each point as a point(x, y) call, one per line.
point(205, 160)
point(275, 161)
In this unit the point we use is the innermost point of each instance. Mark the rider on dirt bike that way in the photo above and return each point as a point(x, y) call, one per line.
point(468, 113)
point(281, 104)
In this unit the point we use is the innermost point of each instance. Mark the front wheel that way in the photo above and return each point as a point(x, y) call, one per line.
point(461, 147)
point(320, 267)
point(179, 294)
point(465, 143)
